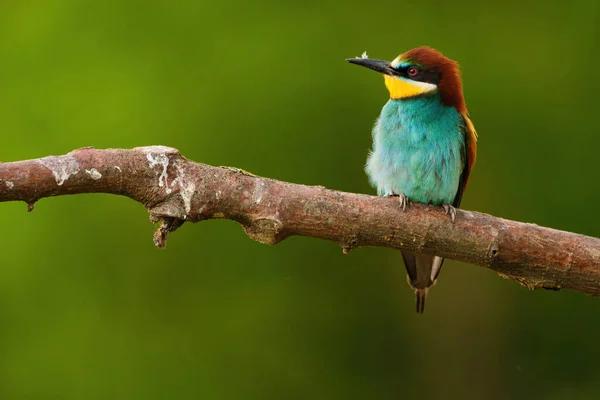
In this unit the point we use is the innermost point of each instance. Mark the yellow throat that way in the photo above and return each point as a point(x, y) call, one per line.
point(400, 88)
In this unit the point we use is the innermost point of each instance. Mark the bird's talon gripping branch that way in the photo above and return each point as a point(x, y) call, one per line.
point(403, 201)
point(450, 210)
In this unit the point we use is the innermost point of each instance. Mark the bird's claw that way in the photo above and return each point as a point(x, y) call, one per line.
point(403, 201)
point(450, 210)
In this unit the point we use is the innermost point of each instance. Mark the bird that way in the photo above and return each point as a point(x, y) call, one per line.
point(424, 144)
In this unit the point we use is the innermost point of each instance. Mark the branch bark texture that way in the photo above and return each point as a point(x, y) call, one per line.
point(175, 190)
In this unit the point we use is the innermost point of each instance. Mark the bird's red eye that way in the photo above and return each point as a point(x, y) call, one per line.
point(412, 71)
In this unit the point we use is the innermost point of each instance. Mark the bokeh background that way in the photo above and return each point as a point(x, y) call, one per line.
point(90, 309)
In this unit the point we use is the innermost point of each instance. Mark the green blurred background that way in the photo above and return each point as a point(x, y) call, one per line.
point(90, 309)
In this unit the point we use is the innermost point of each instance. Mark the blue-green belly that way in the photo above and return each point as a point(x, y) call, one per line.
point(417, 148)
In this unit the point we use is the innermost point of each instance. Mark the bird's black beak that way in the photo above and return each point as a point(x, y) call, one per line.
point(384, 67)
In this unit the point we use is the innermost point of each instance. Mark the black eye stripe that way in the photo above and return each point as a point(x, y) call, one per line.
point(422, 75)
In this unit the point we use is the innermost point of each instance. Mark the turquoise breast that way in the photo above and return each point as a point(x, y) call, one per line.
point(417, 150)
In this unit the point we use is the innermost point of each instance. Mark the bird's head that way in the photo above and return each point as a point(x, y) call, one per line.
point(420, 72)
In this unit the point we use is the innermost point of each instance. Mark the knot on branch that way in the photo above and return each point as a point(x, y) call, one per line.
point(265, 230)
point(166, 225)
point(349, 243)
point(173, 176)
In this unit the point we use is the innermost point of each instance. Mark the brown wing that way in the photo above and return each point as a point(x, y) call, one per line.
point(469, 154)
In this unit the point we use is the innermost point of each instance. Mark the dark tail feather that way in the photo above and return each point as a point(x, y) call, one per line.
point(420, 295)
point(422, 272)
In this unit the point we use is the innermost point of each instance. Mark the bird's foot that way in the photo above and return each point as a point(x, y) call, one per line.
point(403, 200)
point(451, 211)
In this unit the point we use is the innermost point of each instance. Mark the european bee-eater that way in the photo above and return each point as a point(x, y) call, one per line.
point(424, 145)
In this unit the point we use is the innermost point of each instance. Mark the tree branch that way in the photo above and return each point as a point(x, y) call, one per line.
point(175, 190)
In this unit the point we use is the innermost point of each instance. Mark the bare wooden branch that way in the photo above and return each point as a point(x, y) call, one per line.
point(175, 190)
